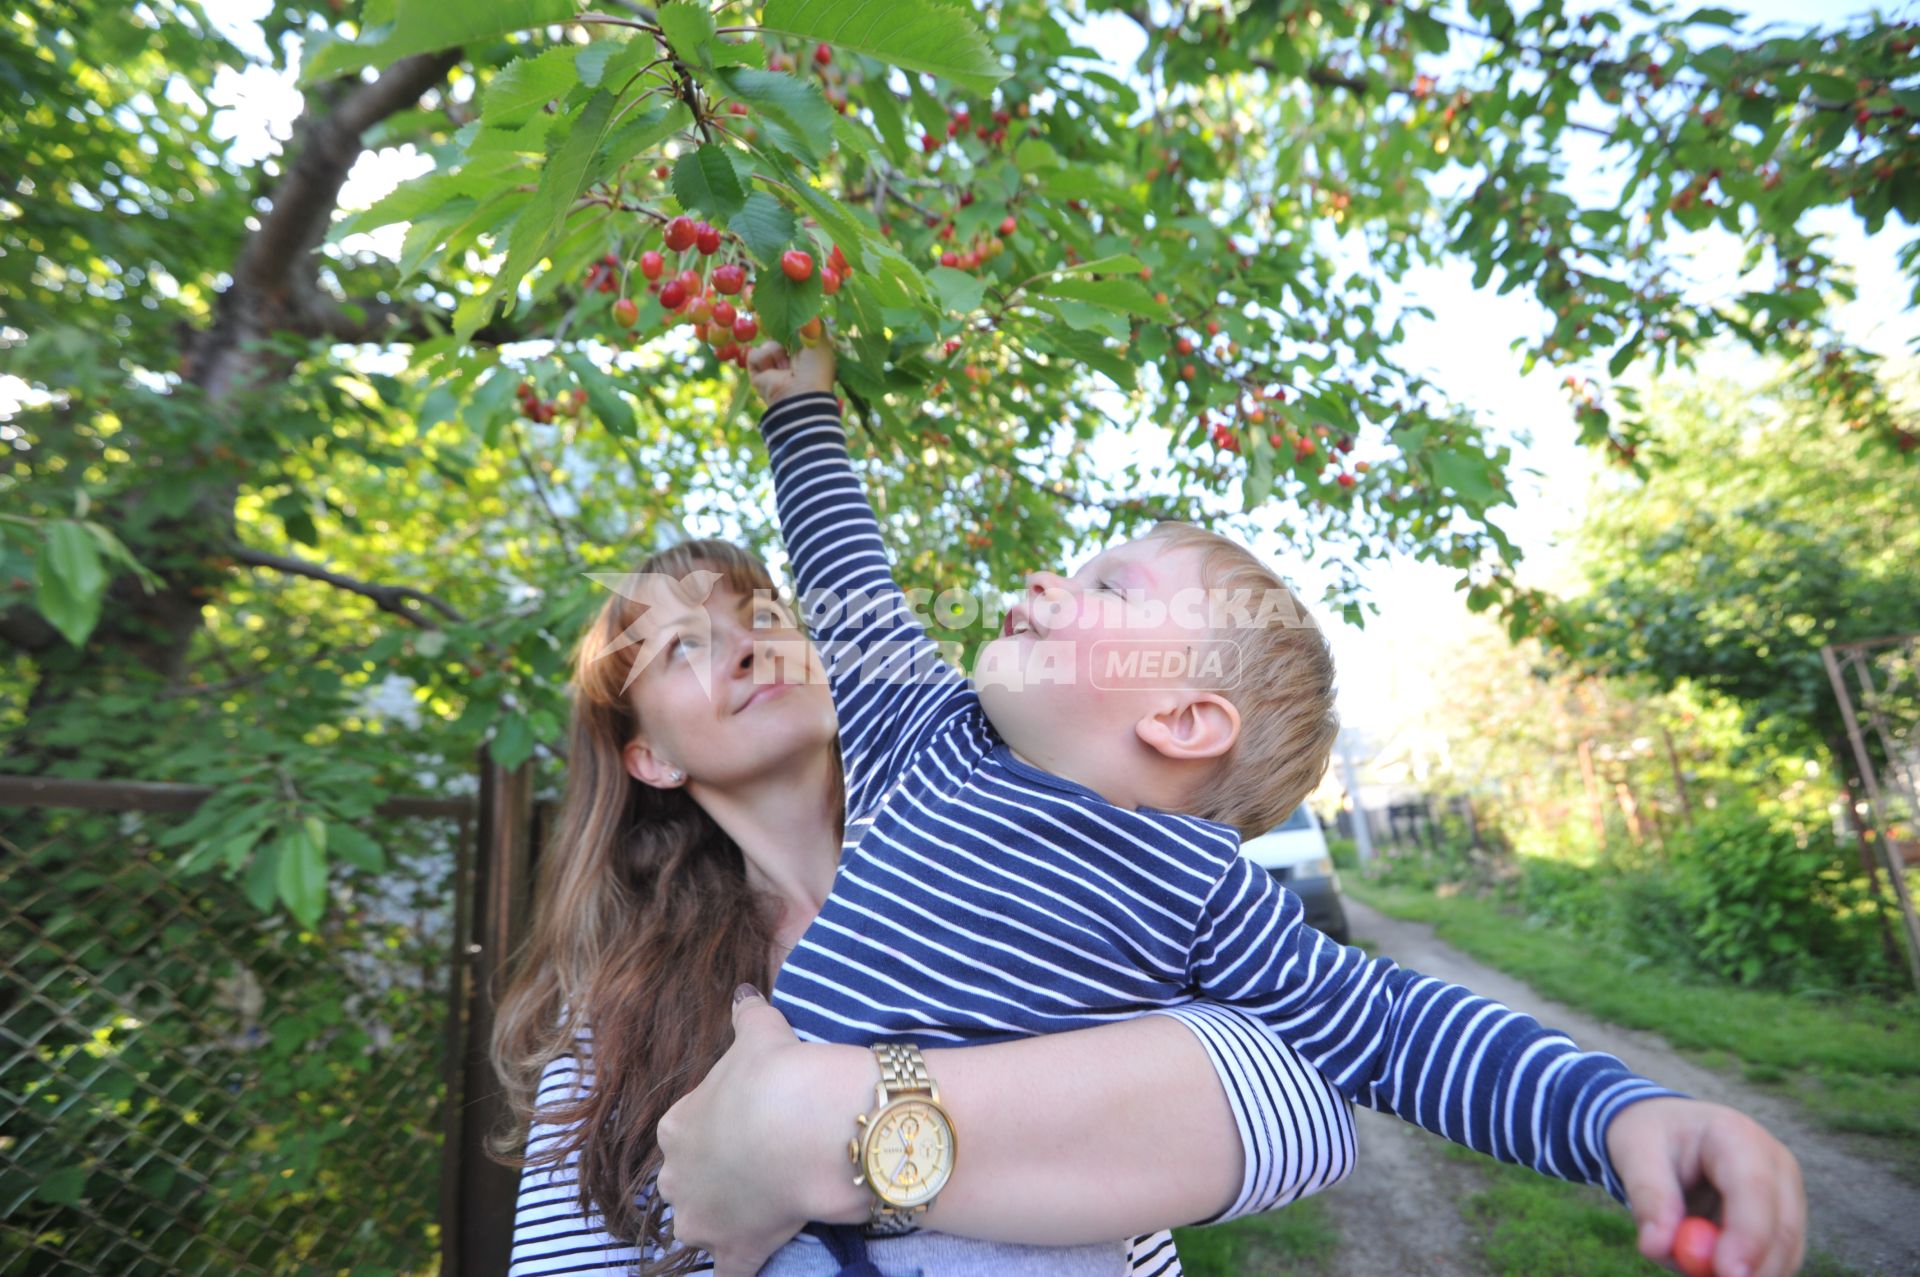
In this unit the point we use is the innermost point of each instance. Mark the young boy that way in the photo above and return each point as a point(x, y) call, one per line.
point(1061, 847)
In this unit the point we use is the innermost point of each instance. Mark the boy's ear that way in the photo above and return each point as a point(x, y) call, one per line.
point(1200, 725)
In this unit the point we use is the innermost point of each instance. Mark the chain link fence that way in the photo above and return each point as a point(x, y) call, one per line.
point(190, 1085)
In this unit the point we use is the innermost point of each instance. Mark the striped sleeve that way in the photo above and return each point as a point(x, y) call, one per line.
point(1153, 1256)
point(1460, 1065)
point(889, 682)
point(1296, 1129)
point(552, 1237)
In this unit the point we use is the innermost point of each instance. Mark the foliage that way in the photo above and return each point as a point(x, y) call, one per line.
point(358, 544)
point(1767, 536)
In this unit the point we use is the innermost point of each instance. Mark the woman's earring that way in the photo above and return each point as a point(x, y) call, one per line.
point(673, 775)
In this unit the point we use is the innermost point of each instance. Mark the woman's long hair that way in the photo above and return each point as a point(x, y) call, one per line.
point(643, 925)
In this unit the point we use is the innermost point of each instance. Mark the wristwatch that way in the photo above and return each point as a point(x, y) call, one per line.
point(905, 1148)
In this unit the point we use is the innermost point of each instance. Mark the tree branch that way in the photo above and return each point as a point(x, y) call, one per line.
point(389, 598)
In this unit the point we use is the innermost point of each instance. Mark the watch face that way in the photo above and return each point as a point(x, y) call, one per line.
point(908, 1153)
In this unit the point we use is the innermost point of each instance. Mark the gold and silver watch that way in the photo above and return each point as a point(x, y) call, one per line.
point(905, 1148)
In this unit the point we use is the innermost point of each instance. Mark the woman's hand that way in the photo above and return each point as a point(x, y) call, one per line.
point(748, 1155)
point(776, 374)
point(1672, 1153)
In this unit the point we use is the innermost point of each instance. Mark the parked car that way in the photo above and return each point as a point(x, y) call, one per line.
point(1296, 854)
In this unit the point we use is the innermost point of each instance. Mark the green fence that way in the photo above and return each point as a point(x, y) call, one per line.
point(188, 1085)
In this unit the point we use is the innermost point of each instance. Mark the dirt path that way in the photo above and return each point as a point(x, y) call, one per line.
point(1399, 1213)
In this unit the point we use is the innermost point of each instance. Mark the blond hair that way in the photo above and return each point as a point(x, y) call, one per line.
point(1283, 689)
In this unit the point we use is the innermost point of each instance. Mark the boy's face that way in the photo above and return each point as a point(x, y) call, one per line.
point(1082, 658)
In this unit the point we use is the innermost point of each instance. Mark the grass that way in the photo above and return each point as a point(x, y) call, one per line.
point(1852, 1063)
point(1298, 1241)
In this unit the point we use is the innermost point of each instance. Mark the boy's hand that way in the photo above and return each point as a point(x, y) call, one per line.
point(1672, 1153)
point(776, 375)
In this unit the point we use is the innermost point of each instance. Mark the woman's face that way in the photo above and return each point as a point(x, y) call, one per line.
point(726, 687)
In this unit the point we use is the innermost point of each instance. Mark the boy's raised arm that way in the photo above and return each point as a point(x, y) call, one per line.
point(887, 677)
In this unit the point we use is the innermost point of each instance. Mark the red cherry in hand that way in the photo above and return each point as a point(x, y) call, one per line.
point(680, 234)
point(1693, 1245)
point(811, 330)
point(798, 266)
point(730, 278)
point(706, 239)
point(651, 264)
point(625, 312)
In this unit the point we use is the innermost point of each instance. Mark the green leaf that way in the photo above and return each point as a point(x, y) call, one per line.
point(1033, 154)
point(689, 29)
point(1129, 296)
point(784, 305)
point(561, 182)
point(1089, 318)
point(262, 872)
point(301, 875)
point(426, 26)
point(886, 118)
point(765, 226)
point(704, 181)
point(512, 742)
point(835, 220)
point(70, 581)
point(793, 105)
point(914, 35)
point(65, 1187)
point(1624, 356)
point(608, 404)
point(639, 136)
point(525, 85)
point(957, 289)
point(358, 850)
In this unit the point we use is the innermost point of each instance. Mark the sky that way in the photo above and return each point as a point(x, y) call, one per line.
point(1387, 670)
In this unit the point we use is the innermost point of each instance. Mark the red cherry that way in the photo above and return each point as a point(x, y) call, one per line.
point(1693, 1245)
point(673, 294)
point(966, 198)
point(797, 265)
point(829, 280)
point(1345, 480)
point(680, 234)
point(746, 328)
point(724, 313)
point(838, 260)
point(822, 55)
point(1007, 224)
point(949, 258)
point(1186, 372)
point(661, 171)
point(725, 352)
point(730, 278)
point(928, 142)
point(651, 264)
point(737, 108)
point(706, 239)
point(625, 312)
point(1184, 345)
point(1213, 328)
point(811, 330)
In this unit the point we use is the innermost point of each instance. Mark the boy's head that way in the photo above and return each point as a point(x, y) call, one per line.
point(1173, 671)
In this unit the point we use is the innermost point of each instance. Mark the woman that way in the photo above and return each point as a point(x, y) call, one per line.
point(699, 835)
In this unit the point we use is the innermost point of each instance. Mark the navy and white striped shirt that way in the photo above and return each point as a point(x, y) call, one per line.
point(981, 898)
point(1296, 1130)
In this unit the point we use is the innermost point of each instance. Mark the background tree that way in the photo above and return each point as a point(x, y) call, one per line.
point(360, 543)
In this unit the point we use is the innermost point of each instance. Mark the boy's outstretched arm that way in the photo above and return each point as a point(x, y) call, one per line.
point(1495, 1079)
point(888, 681)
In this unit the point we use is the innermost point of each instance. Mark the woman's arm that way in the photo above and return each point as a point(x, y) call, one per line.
point(1073, 1137)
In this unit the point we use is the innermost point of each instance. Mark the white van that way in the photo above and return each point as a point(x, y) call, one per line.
point(1295, 853)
